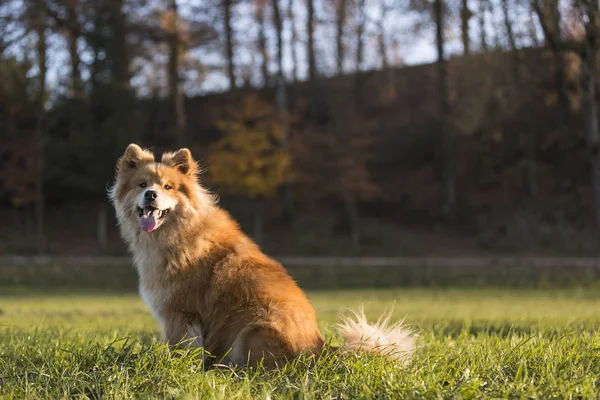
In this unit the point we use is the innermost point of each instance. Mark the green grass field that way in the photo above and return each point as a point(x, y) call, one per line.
point(475, 343)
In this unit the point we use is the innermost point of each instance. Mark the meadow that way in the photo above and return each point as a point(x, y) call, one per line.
point(510, 338)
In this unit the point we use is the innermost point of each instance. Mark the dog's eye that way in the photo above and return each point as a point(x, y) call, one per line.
point(167, 187)
point(143, 185)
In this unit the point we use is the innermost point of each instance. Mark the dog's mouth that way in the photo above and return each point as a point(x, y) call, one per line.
point(150, 217)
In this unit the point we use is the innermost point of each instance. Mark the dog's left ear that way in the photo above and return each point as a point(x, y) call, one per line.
point(182, 160)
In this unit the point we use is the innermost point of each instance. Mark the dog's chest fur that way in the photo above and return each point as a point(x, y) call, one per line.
point(155, 288)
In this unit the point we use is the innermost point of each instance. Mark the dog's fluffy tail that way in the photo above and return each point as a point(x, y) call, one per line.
point(394, 341)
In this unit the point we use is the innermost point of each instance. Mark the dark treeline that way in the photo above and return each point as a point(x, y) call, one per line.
point(303, 108)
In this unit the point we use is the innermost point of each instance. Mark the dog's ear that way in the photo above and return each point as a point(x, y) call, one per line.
point(182, 160)
point(134, 157)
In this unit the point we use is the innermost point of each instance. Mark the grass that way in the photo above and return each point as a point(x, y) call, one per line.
point(475, 343)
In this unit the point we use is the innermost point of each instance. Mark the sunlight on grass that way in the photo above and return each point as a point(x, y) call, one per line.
point(474, 343)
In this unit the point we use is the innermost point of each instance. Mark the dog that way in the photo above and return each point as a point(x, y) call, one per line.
point(208, 283)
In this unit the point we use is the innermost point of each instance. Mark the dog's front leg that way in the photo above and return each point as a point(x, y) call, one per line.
point(180, 331)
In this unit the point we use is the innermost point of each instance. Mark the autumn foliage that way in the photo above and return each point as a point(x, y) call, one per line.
point(250, 159)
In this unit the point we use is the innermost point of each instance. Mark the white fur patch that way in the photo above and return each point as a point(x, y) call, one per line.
point(393, 341)
point(153, 300)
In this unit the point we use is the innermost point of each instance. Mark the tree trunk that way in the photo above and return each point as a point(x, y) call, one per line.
point(532, 137)
point(282, 103)
point(41, 50)
point(339, 38)
point(176, 95)
point(381, 36)
point(532, 28)
point(482, 24)
point(564, 108)
point(120, 73)
point(589, 104)
point(382, 51)
point(511, 41)
point(262, 41)
point(359, 78)
point(310, 29)
point(549, 17)
point(294, 40)
point(229, 42)
point(465, 16)
point(281, 84)
point(497, 25)
point(444, 108)
point(72, 36)
point(360, 30)
point(173, 65)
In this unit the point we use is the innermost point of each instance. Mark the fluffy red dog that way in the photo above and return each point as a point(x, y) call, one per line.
point(204, 280)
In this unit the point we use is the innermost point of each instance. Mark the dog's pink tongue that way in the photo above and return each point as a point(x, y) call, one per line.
point(148, 222)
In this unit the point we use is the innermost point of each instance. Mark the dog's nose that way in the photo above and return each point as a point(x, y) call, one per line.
point(150, 195)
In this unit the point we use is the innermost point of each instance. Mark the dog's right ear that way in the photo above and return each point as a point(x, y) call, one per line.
point(134, 157)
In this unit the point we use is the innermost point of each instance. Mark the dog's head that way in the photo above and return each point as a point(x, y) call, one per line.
point(154, 194)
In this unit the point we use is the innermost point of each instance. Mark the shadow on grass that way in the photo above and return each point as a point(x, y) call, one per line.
point(456, 328)
point(122, 280)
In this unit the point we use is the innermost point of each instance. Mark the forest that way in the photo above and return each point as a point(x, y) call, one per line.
point(316, 122)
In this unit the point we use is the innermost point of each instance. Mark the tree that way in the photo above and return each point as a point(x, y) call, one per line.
point(310, 29)
point(438, 11)
point(38, 23)
point(293, 40)
point(171, 26)
point(282, 102)
point(516, 64)
point(107, 120)
point(340, 22)
point(250, 159)
point(465, 16)
point(262, 41)
point(508, 25)
point(330, 164)
point(549, 16)
point(381, 36)
point(72, 37)
point(483, 8)
point(227, 23)
point(447, 134)
point(19, 168)
point(360, 32)
point(531, 25)
point(588, 51)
